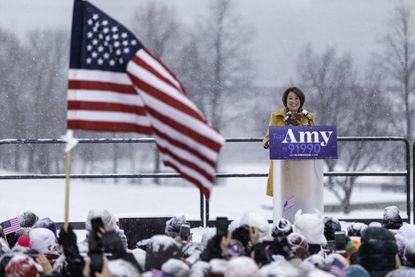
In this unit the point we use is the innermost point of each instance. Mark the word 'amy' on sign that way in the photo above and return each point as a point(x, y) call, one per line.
point(321, 137)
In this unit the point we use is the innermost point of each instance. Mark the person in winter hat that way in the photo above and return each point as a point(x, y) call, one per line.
point(402, 272)
point(242, 235)
point(281, 269)
point(24, 241)
point(191, 251)
point(176, 268)
point(403, 235)
point(120, 267)
point(21, 265)
point(173, 225)
point(104, 214)
point(279, 248)
point(391, 218)
point(217, 267)
point(356, 271)
point(409, 253)
point(43, 240)
point(336, 260)
point(217, 248)
point(233, 225)
point(46, 223)
point(401, 243)
point(378, 251)
point(282, 228)
point(27, 219)
point(139, 256)
point(4, 260)
point(260, 255)
point(207, 235)
point(200, 269)
point(297, 240)
point(109, 221)
point(407, 231)
point(258, 221)
point(355, 229)
point(241, 267)
point(331, 225)
point(160, 249)
point(311, 226)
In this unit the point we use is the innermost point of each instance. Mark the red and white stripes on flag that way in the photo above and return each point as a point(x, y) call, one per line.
point(184, 138)
point(11, 226)
point(104, 101)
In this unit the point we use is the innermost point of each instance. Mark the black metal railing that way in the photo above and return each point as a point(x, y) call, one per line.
point(204, 204)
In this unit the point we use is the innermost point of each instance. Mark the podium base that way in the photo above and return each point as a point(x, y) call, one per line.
point(299, 185)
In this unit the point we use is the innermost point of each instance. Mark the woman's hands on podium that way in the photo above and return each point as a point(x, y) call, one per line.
point(265, 143)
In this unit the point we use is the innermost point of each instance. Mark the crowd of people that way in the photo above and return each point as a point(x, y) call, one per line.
point(311, 245)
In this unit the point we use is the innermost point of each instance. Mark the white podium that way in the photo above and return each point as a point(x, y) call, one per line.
point(298, 180)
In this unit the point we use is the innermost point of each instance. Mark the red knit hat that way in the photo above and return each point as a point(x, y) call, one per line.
point(24, 241)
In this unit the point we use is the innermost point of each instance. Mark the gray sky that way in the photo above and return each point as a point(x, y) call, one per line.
point(283, 26)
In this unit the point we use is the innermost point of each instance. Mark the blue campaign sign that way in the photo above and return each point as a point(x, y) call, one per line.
point(303, 143)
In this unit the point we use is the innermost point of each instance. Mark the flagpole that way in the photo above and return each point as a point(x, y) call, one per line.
point(70, 144)
point(67, 188)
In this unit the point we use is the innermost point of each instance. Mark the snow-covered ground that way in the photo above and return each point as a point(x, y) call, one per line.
point(232, 198)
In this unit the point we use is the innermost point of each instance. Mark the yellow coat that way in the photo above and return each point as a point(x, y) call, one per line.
point(277, 119)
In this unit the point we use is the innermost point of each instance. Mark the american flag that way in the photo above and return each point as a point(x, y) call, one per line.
point(11, 226)
point(115, 84)
point(289, 203)
point(337, 268)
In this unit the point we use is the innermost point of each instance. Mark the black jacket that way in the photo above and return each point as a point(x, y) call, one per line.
point(377, 251)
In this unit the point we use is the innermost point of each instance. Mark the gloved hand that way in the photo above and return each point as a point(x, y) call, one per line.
point(265, 143)
point(68, 241)
point(70, 248)
point(112, 244)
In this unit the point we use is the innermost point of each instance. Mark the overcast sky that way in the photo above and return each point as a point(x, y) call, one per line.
point(283, 26)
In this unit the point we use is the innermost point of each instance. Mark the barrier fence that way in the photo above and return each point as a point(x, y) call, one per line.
point(204, 203)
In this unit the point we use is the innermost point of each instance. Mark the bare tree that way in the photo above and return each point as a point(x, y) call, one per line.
point(13, 58)
point(157, 27)
point(220, 52)
point(45, 95)
point(336, 95)
point(398, 60)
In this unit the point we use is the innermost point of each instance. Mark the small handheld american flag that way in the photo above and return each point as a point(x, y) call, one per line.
point(11, 226)
point(337, 268)
point(289, 203)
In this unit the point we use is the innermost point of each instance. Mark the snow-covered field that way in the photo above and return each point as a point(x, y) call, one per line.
point(232, 198)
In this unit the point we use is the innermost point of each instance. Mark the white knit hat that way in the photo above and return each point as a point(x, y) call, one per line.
point(43, 240)
point(257, 220)
point(105, 215)
point(241, 267)
point(311, 226)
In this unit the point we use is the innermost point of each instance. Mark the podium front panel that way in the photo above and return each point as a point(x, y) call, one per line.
point(297, 185)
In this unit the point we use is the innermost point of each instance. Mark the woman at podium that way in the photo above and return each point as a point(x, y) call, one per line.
point(292, 114)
